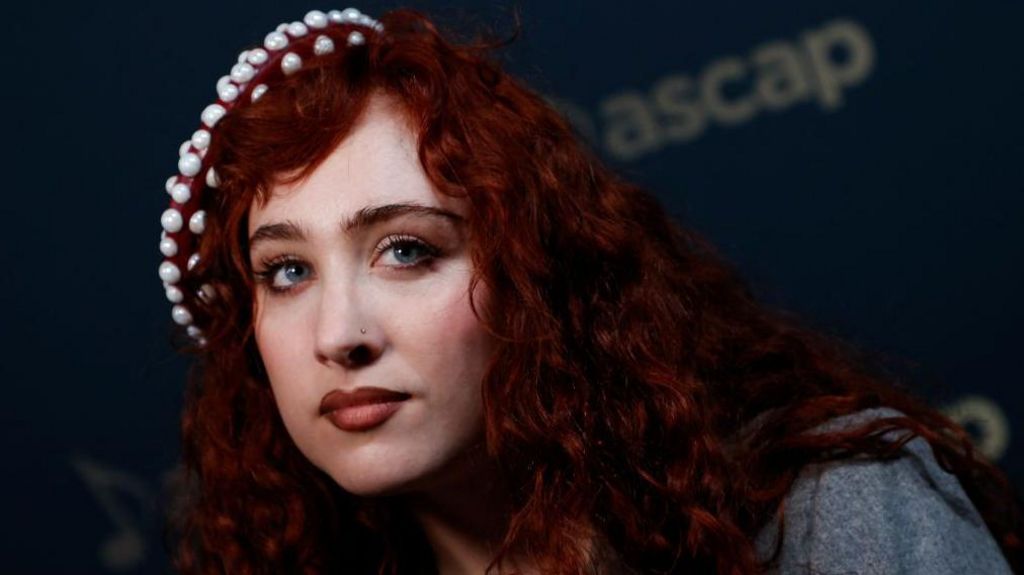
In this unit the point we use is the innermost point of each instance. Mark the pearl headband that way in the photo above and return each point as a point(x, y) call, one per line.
point(184, 221)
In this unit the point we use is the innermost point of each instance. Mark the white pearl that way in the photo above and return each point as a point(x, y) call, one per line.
point(350, 14)
point(181, 315)
point(193, 260)
point(183, 148)
point(170, 183)
point(206, 293)
point(297, 29)
point(258, 91)
point(323, 45)
point(335, 16)
point(243, 55)
point(181, 193)
point(291, 63)
point(364, 20)
point(169, 273)
point(197, 223)
point(189, 164)
point(356, 38)
point(242, 72)
point(174, 294)
point(378, 27)
point(275, 41)
point(212, 179)
point(201, 139)
point(223, 81)
point(171, 220)
point(228, 93)
point(212, 114)
point(194, 332)
point(258, 56)
point(315, 19)
point(168, 247)
point(283, 26)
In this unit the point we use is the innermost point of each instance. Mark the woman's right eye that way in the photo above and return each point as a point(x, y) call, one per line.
point(283, 276)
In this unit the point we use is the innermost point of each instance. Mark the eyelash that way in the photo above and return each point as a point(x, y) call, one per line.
point(272, 266)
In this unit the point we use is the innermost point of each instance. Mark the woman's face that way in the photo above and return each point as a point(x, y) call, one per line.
point(362, 274)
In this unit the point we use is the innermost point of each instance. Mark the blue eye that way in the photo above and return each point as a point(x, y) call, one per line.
point(283, 274)
point(289, 274)
point(407, 251)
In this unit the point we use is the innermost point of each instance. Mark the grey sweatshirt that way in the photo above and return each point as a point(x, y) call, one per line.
point(905, 516)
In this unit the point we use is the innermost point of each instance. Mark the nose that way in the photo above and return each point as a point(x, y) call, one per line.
point(346, 331)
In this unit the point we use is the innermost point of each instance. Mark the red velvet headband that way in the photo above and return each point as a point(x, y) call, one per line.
point(283, 53)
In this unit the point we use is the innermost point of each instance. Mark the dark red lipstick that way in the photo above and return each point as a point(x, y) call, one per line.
point(361, 409)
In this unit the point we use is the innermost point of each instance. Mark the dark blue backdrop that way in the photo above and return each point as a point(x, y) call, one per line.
point(860, 162)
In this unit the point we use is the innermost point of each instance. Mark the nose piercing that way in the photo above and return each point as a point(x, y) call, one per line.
point(362, 330)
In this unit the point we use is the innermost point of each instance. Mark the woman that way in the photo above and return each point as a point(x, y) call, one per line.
point(437, 336)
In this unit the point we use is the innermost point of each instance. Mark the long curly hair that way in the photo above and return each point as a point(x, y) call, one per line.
point(639, 395)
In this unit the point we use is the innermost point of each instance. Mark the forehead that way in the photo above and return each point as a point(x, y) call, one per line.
point(376, 164)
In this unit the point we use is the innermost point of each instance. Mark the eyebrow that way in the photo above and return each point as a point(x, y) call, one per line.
point(362, 219)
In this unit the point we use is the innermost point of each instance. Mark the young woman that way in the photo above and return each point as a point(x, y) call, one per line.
point(437, 336)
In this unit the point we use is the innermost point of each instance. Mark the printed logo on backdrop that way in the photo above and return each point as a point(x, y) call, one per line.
point(817, 66)
point(128, 503)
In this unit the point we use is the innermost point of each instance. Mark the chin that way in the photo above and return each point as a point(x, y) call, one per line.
point(379, 478)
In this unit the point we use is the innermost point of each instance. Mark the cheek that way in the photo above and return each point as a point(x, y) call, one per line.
point(453, 343)
point(280, 342)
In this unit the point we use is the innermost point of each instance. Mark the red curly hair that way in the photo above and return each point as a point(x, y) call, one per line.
point(632, 359)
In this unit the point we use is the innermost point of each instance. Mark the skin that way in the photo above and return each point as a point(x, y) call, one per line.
point(319, 285)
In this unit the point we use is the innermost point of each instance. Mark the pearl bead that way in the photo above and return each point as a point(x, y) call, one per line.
point(297, 29)
point(364, 20)
point(212, 114)
point(174, 294)
point(193, 260)
point(181, 193)
point(323, 45)
point(282, 27)
point(212, 179)
point(189, 164)
point(168, 247)
point(350, 14)
point(356, 38)
point(228, 93)
point(275, 41)
point(194, 332)
point(315, 19)
point(258, 56)
point(170, 183)
point(201, 139)
point(378, 27)
point(291, 63)
point(171, 220)
point(206, 293)
point(258, 91)
point(242, 72)
point(223, 81)
point(169, 273)
point(181, 315)
point(243, 56)
point(183, 148)
point(197, 223)
point(335, 16)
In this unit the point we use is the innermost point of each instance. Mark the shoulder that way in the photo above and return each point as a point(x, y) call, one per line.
point(906, 515)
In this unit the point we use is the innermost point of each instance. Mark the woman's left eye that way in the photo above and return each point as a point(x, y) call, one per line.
point(406, 251)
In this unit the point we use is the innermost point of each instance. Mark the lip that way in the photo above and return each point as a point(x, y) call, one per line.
point(361, 409)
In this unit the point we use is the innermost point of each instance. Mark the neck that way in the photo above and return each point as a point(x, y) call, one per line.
point(464, 518)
